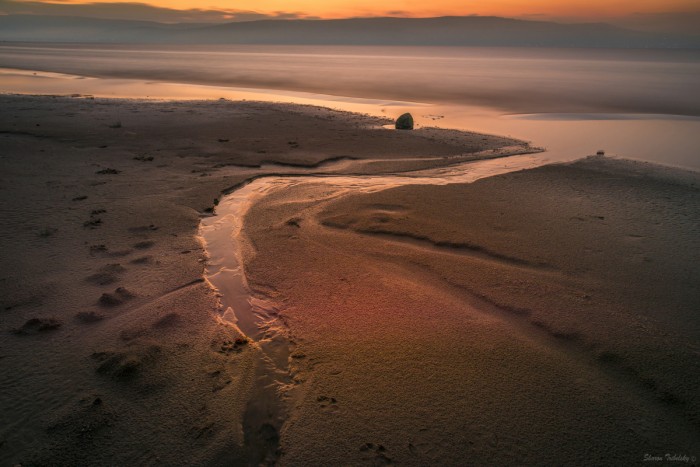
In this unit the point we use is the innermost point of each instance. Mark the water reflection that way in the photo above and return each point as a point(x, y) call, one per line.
point(223, 235)
point(517, 80)
point(572, 102)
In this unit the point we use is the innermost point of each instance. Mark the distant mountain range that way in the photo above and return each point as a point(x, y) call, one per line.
point(443, 31)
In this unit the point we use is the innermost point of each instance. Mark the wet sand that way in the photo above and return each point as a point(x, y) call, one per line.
point(111, 350)
point(544, 317)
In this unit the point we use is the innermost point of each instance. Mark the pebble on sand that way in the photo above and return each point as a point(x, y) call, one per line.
point(405, 122)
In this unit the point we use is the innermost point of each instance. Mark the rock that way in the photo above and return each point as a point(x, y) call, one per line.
point(404, 122)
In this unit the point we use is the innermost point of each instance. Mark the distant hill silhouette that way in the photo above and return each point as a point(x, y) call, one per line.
point(444, 31)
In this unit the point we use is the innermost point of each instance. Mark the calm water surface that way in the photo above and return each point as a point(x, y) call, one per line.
point(640, 104)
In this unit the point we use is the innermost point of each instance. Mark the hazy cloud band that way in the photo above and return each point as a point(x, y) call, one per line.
point(138, 11)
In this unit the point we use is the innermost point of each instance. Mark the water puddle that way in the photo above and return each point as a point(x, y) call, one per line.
point(257, 317)
point(224, 239)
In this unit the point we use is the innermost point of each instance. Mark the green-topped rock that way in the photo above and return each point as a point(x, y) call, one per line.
point(404, 122)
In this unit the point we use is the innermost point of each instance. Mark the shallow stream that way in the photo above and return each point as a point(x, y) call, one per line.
point(223, 235)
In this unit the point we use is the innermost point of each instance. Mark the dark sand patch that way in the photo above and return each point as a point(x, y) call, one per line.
point(108, 171)
point(107, 274)
point(168, 321)
point(548, 321)
point(141, 260)
point(37, 326)
point(89, 317)
point(45, 171)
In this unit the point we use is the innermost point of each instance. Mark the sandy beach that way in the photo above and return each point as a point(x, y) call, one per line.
point(546, 316)
point(541, 317)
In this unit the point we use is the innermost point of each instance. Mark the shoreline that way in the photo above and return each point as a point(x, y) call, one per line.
point(656, 138)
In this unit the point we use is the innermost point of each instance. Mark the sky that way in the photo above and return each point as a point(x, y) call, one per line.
point(227, 10)
point(345, 8)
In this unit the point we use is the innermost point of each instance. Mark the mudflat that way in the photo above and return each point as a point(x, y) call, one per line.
point(111, 349)
point(543, 316)
point(547, 317)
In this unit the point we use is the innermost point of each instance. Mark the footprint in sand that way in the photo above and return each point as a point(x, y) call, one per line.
point(37, 325)
point(375, 454)
point(88, 317)
point(119, 253)
point(119, 296)
point(170, 320)
point(326, 403)
point(124, 366)
point(142, 260)
point(294, 222)
point(95, 249)
point(93, 223)
point(108, 171)
point(236, 345)
point(108, 274)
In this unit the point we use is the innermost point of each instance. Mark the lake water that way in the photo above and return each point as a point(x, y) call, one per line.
point(639, 104)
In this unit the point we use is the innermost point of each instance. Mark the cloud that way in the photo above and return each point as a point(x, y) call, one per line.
point(139, 11)
point(398, 13)
point(535, 16)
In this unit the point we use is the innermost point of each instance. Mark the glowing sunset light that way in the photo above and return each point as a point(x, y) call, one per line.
point(545, 9)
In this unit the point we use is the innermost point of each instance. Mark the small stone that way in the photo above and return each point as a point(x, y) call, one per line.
point(404, 122)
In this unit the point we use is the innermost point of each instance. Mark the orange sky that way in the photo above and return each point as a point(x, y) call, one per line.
point(583, 9)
